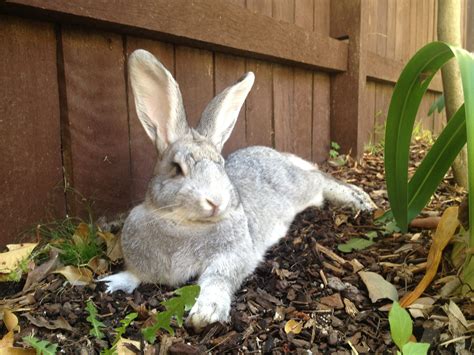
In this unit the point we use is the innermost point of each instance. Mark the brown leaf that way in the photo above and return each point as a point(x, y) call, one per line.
point(77, 276)
point(7, 341)
point(42, 322)
point(10, 320)
point(378, 287)
point(98, 265)
point(40, 272)
point(445, 231)
point(123, 346)
point(114, 248)
point(293, 326)
point(17, 252)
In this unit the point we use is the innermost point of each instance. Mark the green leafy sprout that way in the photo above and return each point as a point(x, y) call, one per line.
point(42, 347)
point(175, 308)
point(119, 332)
point(401, 329)
point(97, 325)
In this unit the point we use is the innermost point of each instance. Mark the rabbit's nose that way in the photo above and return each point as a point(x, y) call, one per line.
point(215, 206)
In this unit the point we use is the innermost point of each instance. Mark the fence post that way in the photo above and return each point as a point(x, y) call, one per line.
point(350, 126)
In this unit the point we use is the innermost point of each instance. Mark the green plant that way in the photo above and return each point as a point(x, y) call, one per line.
point(77, 241)
point(334, 151)
point(335, 156)
point(42, 347)
point(119, 332)
point(401, 329)
point(175, 308)
point(437, 105)
point(407, 198)
point(97, 325)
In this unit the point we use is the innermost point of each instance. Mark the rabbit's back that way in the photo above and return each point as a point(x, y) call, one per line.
point(273, 187)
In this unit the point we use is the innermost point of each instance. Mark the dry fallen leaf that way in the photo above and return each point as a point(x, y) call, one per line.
point(77, 276)
point(10, 320)
point(6, 346)
point(98, 265)
point(114, 249)
point(122, 348)
point(293, 326)
point(40, 272)
point(54, 324)
point(17, 252)
point(445, 231)
point(7, 341)
point(378, 287)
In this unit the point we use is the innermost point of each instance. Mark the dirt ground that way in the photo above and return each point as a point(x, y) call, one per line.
point(304, 278)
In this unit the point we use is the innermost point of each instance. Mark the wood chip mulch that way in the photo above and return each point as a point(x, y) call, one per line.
point(303, 278)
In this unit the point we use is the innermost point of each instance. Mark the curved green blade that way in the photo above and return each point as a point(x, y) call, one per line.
point(407, 199)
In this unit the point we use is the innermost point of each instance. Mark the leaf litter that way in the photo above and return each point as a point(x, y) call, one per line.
point(307, 296)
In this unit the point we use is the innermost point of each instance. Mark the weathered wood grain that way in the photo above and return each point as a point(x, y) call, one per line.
point(321, 117)
point(98, 118)
point(259, 105)
point(30, 146)
point(212, 24)
point(195, 75)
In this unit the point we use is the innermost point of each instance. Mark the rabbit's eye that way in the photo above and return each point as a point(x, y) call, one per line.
point(178, 171)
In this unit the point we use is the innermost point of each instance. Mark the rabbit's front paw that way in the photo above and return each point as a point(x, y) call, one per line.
point(124, 281)
point(209, 309)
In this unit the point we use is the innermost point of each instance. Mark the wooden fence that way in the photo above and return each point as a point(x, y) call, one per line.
point(324, 71)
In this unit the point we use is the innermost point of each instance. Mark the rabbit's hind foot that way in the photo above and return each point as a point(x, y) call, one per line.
point(124, 281)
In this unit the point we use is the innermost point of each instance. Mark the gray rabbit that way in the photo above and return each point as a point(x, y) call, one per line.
point(203, 216)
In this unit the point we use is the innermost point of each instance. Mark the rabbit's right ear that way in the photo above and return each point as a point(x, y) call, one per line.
point(158, 99)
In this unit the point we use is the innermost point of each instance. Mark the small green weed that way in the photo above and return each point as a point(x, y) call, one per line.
point(97, 325)
point(175, 308)
point(119, 332)
point(386, 225)
point(401, 329)
point(42, 347)
point(334, 155)
point(77, 241)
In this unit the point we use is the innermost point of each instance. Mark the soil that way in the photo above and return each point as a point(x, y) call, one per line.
point(303, 278)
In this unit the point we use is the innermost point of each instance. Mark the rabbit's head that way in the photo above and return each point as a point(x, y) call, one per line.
point(190, 183)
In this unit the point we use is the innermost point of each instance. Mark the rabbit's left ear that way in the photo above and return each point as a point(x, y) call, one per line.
point(220, 115)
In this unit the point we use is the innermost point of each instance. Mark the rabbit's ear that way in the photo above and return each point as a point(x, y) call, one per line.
point(158, 100)
point(220, 115)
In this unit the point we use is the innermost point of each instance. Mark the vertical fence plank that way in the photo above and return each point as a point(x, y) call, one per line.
point(321, 116)
point(195, 75)
point(259, 105)
point(350, 126)
point(98, 118)
point(391, 28)
point(303, 88)
point(372, 35)
point(283, 85)
point(322, 17)
point(321, 90)
point(143, 153)
point(31, 174)
point(228, 69)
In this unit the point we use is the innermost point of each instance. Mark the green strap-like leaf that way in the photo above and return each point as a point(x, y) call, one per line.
point(407, 200)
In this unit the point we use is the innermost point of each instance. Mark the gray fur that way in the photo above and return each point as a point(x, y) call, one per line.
point(176, 234)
